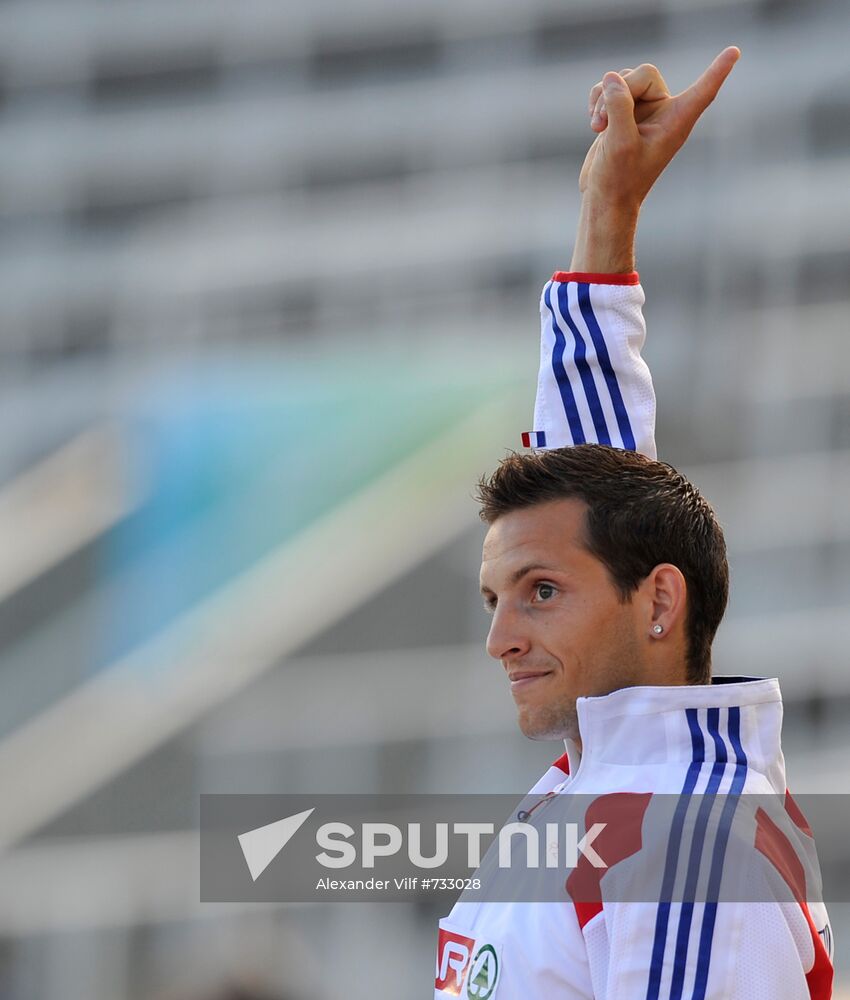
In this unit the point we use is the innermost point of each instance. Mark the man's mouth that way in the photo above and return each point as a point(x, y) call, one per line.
point(521, 679)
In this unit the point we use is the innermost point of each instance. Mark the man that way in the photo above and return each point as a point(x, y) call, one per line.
point(605, 573)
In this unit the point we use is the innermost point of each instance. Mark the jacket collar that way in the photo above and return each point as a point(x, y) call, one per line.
point(734, 719)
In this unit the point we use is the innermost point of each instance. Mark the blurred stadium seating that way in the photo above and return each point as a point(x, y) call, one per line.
point(268, 304)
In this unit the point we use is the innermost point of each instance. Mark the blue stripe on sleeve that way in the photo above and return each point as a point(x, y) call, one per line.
point(695, 860)
point(729, 806)
point(672, 860)
point(607, 368)
point(580, 358)
point(564, 387)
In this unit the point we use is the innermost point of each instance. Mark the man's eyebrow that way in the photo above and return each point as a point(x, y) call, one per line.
point(518, 574)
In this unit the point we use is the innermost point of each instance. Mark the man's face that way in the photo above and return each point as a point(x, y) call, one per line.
point(559, 626)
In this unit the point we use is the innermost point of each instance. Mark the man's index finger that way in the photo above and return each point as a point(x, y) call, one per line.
point(702, 91)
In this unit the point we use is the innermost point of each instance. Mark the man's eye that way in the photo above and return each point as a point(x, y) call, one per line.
point(545, 591)
point(489, 606)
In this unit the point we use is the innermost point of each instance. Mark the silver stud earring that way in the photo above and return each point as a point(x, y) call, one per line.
point(658, 629)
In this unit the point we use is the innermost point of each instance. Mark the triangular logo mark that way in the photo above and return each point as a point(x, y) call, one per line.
point(262, 846)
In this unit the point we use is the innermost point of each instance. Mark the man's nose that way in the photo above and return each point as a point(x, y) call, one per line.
point(506, 638)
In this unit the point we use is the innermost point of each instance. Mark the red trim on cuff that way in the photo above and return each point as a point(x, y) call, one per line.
point(631, 278)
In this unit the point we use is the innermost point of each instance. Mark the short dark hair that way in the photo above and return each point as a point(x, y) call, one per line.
point(639, 513)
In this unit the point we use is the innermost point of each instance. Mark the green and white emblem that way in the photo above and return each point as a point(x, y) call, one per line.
point(483, 977)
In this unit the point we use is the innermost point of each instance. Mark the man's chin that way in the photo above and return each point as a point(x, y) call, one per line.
point(544, 724)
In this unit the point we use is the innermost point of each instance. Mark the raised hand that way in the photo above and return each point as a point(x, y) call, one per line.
point(641, 127)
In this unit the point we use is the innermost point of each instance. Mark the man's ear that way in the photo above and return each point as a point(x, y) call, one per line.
point(664, 593)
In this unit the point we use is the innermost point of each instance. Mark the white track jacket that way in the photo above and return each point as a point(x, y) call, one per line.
point(694, 742)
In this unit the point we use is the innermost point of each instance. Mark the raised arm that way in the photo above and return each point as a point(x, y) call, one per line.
point(593, 384)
